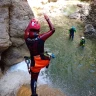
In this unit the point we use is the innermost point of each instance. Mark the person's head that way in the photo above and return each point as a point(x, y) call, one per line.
point(34, 26)
point(73, 27)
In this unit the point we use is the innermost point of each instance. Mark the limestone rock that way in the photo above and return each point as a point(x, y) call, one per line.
point(12, 56)
point(91, 20)
point(90, 32)
point(16, 42)
point(5, 2)
point(4, 29)
point(14, 18)
point(75, 15)
point(89, 28)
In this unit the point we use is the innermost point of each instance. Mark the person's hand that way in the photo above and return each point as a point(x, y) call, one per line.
point(46, 17)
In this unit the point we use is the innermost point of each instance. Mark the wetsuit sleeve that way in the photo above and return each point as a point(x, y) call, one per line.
point(46, 35)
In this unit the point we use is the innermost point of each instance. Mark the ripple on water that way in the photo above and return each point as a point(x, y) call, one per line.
point(91, 71)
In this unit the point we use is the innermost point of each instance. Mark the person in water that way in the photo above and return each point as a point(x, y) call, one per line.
point(82, 42)
point(71, 32)
point(35, 43)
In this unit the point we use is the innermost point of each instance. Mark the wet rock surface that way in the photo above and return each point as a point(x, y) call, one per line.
point(42, 90)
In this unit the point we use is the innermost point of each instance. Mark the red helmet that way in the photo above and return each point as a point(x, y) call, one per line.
point(34, 25)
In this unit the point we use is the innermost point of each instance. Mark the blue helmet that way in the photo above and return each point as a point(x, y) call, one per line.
point(73, 27)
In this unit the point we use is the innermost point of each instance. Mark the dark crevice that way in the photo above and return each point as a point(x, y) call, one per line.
point(2, 65)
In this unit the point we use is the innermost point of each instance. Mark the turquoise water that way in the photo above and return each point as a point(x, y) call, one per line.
point(73, 70)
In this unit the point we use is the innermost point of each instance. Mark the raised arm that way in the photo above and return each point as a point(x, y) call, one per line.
point(46, 35)
point(49, 23)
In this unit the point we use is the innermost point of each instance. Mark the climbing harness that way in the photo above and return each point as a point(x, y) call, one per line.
point(28, 62)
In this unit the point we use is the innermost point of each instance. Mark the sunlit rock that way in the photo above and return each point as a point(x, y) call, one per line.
point(14, 18)
point(4, 29)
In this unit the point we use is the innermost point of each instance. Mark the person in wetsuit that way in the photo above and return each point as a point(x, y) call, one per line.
point(35, 43)
point(82, 41)
point(71, 32)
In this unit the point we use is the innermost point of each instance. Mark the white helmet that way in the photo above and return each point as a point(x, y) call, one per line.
point(82, 37)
